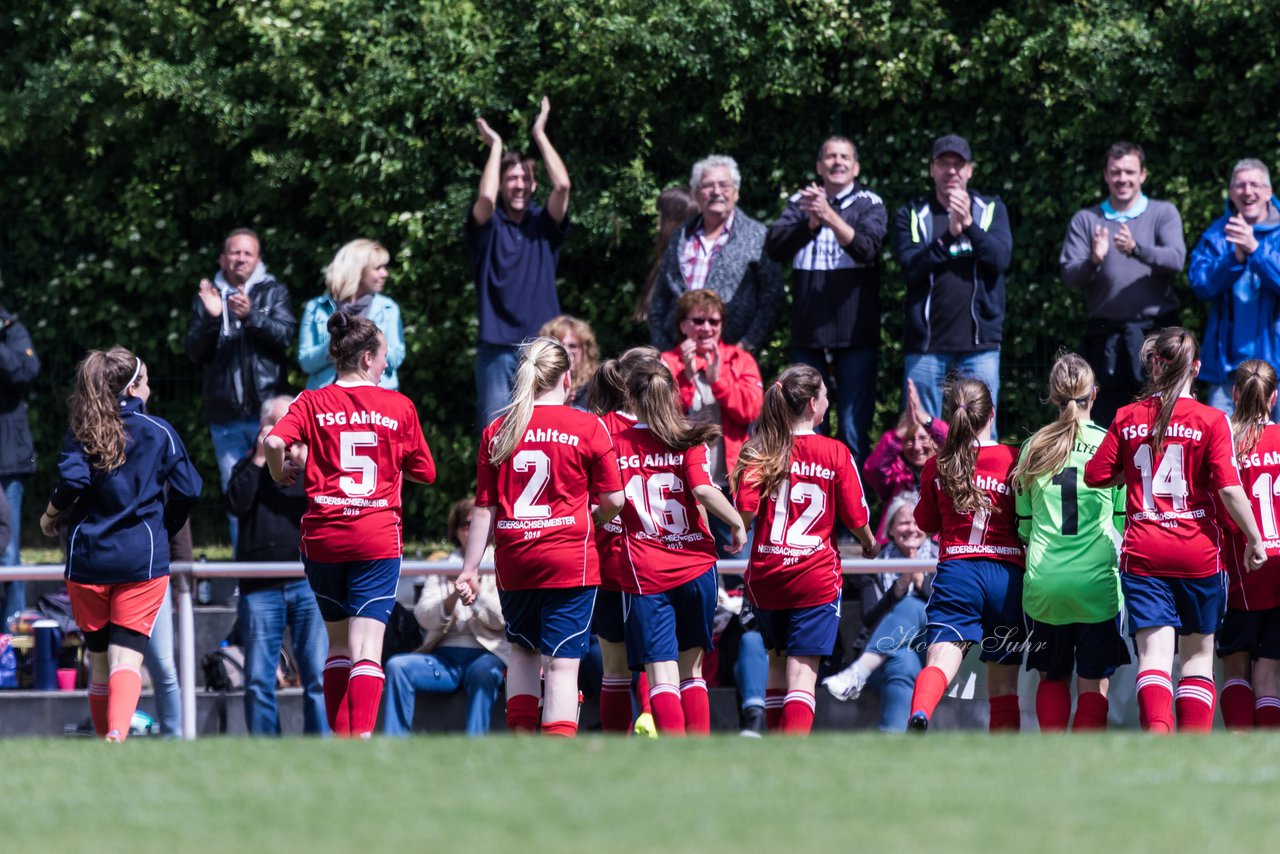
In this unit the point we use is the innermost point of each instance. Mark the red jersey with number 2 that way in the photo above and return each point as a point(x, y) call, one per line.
point(544, 534)
point(361, 441)
point(1172, 527)
point(794, 560)
point(609, 535)
point(1260, 476)
point(988, 534)
point(666, 542)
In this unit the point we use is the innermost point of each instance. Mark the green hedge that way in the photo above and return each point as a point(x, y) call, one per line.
point(134, 133)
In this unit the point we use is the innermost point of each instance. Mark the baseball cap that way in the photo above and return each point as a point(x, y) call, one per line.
point(951, 143)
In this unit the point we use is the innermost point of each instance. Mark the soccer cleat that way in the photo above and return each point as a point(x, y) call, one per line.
point(845, 685)
point(752, 722)
point(113, 737)
point(645, 727)
point(919, 722)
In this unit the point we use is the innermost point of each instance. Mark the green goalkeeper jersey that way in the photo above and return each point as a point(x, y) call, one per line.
point(1073, 541)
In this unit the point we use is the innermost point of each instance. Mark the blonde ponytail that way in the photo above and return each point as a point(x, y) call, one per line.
point(1047, 451)
point(543, 361)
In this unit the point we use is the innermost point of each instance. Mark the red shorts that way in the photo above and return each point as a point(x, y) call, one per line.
point(131, 606)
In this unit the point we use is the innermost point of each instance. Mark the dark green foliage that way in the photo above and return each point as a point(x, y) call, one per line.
point(134, 133)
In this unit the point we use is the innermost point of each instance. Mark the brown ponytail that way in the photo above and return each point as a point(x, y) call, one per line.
point(652, 391)
point(766, 457)
point(1255, 383)
point(101, 378)
point(607, 388)
point(971, 408)
point(1170, 357)
point(1047, 451)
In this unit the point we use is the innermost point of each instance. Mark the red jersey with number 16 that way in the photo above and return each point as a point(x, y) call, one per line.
point(544, 535)
point(986, 535)
point(1260, 475)
point(1172, 527)
point(361, 442)
point(794, 560)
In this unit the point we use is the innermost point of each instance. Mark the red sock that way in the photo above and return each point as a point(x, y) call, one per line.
point(615, 704)
point(1195, 700)
point(364, 694)
point(1053, 705)
point(337, 672)
point(931, 684)
point(797, 713)
point(123, 689)
point(1266, 714)
point(773, 699)
point(668, 714)
point(98, 707)
point(1155, 701)
point(522, 713)
point(1005, 714)
point(1091, 712)
point(642, 693)
point(697, 706)
point(562, 729)
point(1237, 704)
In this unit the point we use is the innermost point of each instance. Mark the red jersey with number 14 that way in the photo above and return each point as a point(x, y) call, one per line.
point(1260, 476)
point(794, 560)
point(986, 535)
point(544, 535)
point(1172, 527)
point(361, 442)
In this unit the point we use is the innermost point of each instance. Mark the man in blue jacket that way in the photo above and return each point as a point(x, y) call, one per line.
point(1236, 269)
point(954, 247)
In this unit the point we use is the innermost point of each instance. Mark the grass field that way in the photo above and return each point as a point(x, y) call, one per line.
point(856, 793)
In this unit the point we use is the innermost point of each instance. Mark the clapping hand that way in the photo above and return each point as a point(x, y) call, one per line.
point(1101, 244)
point(487, 134)
point(959, 211)
point(210, 298)
point(1240, 235)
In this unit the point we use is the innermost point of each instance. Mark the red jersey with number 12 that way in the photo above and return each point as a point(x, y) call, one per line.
point(1260, 476)
point(794, 560)
point(1172, 527)
point(361, 441)
point(544, 536)
point(986, 535)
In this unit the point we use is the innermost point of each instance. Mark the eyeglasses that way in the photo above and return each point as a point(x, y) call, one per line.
point(722, 186)
point(704, 321)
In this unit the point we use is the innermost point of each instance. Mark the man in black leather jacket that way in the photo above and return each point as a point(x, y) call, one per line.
point(241, 325)
point(19, 365)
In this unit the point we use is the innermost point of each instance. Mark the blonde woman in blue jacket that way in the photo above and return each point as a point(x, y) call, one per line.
point(353, 282)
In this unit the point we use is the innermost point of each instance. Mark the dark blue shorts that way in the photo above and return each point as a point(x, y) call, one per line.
point(979, 602)
point(1254, 632)
point(1091, 650)
point(554, 621)
point(1190, 605)
point(800, 631)
point(607, 622)
point(660, 625)
point(354, 588)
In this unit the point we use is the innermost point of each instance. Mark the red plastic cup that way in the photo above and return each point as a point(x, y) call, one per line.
point(66, 678)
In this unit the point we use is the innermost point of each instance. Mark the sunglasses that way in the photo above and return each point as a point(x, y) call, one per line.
point(704, 321)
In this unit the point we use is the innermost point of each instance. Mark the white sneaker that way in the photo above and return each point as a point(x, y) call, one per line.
point(845, 685)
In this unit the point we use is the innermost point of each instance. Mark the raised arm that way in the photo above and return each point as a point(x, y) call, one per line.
point(490, 178)
point(558, 203)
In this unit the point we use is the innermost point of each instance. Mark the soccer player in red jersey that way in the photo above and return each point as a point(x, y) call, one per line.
point(361, 443)
point(1248, 639)
point(794, 484)
point(606, 396)
point(541, 463)
point(112, 478)
point(967, 499)
point(668, 554)
point(1176, 460)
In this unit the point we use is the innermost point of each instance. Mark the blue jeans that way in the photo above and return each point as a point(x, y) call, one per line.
point(158, 658)
point(1220, 398)
point(853, 370)
point(444, 670)
point(930, 370)
point(263, 615)
point(495, 369)
point(13, 595)
point(231, 441)
point(898, 637)
point(751, 671)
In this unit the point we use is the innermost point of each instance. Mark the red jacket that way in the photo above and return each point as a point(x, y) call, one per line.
point(738, 390)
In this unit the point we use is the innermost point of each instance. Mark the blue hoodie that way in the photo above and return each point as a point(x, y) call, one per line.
point(1244, 298)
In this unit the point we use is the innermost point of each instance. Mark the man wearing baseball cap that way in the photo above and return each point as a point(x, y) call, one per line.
point(954, 246)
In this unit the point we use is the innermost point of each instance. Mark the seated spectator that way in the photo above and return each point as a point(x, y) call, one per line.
point(465, 646)
point(893, 622)
point(584, 354)
point(353, 282)
point(270, 516)
point(676, 206)
point(895, 464)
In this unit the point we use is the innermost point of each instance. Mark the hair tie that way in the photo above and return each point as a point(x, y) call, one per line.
point(1159, 360)
point(960, 407)
point(778, 383)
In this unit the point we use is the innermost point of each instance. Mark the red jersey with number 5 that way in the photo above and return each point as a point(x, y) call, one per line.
point(666, 542)
point(361, 441)
point(1260, 476)
point(988, 534)
point(1172, 527)
point(794, 560)
point(544, 535)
